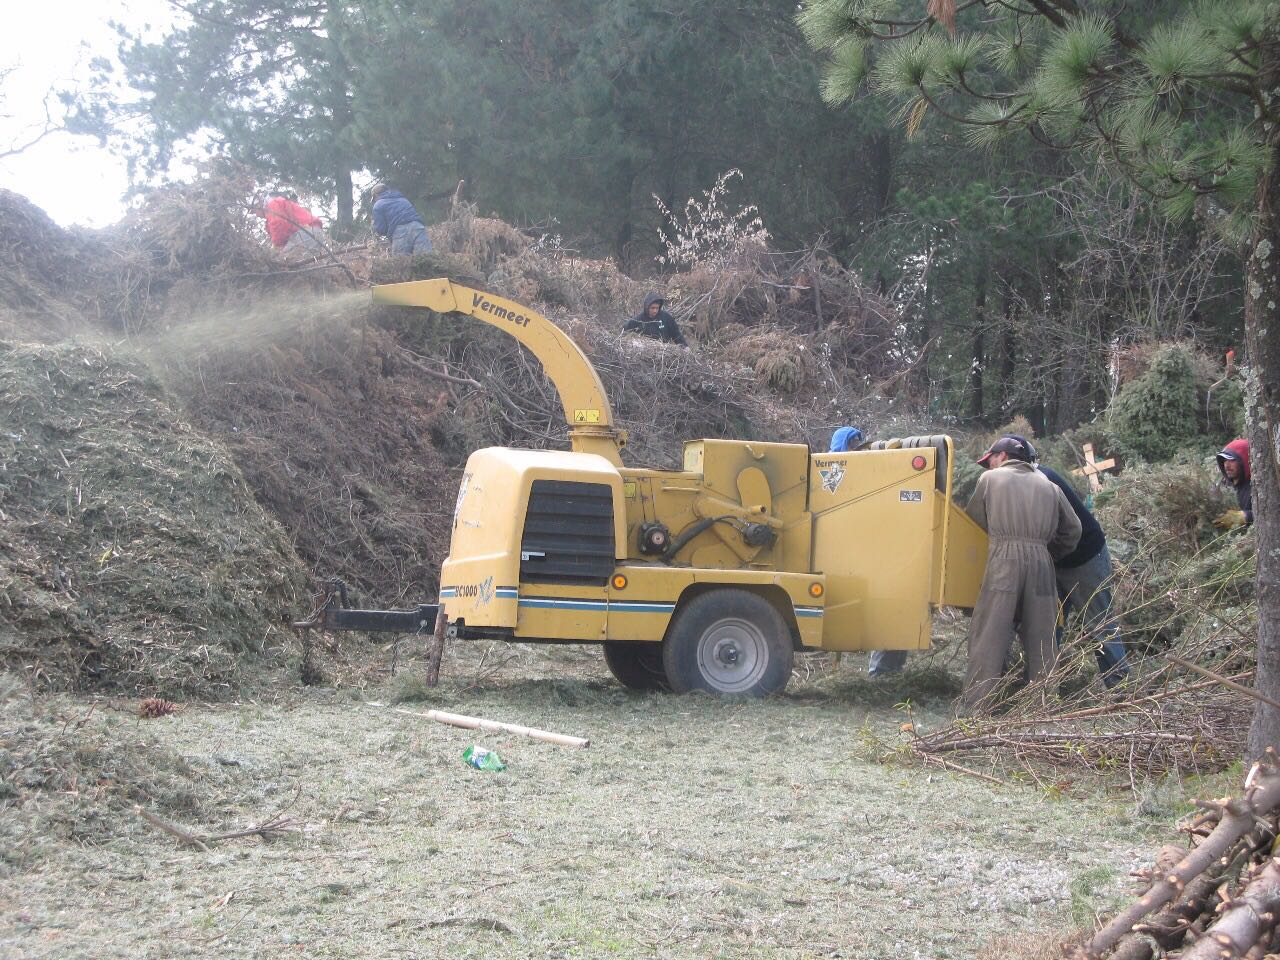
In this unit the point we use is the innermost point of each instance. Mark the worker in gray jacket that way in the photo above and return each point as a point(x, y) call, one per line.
point(1030, 524)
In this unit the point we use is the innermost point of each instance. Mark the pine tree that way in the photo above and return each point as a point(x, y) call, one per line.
point(1183, 99)
point(269, 80)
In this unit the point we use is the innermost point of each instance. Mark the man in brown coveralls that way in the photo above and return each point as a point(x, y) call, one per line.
point(1030, 524)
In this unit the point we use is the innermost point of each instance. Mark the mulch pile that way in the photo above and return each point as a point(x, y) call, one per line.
point(132, 554)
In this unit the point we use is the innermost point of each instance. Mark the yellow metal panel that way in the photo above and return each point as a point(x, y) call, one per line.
point(480, 576)
point(740, 475)
point(785, 465)
point(562, 612)
point(657, 496)
point(966, 560)
point(874, 530)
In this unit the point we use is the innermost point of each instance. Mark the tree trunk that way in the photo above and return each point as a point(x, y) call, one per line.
point(880, 154)
point(346, 206)
point(338, 97)
point(1008, 356)
point(979, 359)
point(1262, 338)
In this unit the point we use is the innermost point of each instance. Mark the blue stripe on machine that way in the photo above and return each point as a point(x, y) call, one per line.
point(621, 606)
point(569, 603)
point(543, 603)
point(502, 593)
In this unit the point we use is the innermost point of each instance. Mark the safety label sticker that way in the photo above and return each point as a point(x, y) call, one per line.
point(831, 472)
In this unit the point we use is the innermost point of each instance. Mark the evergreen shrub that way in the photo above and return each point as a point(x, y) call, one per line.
point(1157, 415)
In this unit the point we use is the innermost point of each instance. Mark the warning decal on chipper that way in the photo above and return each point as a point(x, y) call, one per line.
point(911, 496)
point(831, 472)
point(586, 416)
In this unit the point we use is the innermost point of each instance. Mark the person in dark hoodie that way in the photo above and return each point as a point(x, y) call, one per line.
point(395, 218)
point(1233, 461)
point(1084, 580)
point(654, 321)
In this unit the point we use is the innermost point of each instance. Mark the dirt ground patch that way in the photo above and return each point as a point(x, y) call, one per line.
point(691, 827)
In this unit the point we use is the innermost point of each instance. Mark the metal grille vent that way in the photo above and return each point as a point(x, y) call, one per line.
point(568, 533)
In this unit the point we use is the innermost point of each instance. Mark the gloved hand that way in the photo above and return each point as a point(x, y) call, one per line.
point(1229, 520)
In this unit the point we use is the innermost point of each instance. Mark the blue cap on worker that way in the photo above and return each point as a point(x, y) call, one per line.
point(846, 439)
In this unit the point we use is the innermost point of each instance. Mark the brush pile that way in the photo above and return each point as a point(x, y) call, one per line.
point(334, 425)
point(46, 273)
point(1217, 898)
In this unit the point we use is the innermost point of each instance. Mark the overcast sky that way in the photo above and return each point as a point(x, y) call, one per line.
point(50, 44)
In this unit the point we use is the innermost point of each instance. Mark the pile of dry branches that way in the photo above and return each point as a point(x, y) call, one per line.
point(1217, 898)
point(1176, 717)
point(1184, 727)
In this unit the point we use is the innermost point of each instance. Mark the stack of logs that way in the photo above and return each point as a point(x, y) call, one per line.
point(1218, 899)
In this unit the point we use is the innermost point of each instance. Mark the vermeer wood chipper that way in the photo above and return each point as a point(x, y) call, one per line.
point(705, 578)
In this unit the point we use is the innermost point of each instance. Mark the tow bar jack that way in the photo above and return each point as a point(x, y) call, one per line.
point(332, 614)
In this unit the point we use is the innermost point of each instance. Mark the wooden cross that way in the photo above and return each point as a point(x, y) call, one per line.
point(1093, 469)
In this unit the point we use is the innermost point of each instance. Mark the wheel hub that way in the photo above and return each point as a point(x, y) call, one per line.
point(732, 655)
point(727, 652)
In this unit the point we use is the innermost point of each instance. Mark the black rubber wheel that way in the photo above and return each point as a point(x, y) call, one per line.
point(728, 641)
point(636, 664)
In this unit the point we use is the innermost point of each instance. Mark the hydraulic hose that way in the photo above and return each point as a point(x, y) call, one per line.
point(689, 532)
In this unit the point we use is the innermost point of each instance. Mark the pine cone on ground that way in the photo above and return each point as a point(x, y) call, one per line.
point(154, 707)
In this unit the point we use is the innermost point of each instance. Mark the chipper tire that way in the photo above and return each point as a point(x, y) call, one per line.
point(728, 641)
point(636, 665)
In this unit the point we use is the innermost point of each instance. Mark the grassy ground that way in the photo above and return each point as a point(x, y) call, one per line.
point(690, 828)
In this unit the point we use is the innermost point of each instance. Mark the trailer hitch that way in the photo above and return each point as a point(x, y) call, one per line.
point(332, 614)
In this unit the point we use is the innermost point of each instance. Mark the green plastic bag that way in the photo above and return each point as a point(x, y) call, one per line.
point(483, 759)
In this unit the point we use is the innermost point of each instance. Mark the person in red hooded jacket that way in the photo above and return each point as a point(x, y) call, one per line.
point(1233, 461)
point(290, 225)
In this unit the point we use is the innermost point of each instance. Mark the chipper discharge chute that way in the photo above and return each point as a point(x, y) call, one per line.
point(709, 577)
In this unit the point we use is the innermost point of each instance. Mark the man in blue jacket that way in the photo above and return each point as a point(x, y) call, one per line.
point(1084, 582)
point(395, 218)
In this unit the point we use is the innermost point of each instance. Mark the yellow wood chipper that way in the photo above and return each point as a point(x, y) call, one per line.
point(705, 578)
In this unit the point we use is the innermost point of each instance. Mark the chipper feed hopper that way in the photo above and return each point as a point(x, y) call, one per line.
point(709, 577)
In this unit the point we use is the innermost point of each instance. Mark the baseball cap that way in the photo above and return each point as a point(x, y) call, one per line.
point(1031, 455)
point(1013, 446)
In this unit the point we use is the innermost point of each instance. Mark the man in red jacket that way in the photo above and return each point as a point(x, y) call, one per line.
point(291, 226)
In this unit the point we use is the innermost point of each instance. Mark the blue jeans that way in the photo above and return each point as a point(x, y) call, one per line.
point(885, 662)
point(1087, 588)
point(410, 238)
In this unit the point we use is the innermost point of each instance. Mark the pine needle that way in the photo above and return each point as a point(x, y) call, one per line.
point(944, 12)
point(916, 117)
